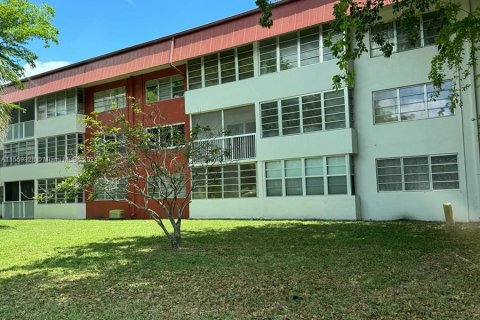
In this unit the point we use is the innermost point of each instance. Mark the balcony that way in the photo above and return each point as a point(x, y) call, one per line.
point(21, 130)
point(233, 148)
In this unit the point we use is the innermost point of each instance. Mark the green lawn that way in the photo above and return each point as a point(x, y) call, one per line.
point(239, 270)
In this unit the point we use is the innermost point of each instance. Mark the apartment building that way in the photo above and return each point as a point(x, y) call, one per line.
point(381, 150)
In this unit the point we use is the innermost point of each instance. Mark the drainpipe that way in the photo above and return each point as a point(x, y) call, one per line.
point(170, 60)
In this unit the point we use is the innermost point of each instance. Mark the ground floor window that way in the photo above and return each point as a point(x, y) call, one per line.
point(115, 189)
point(229, 181)
point(49, 194)
point(307, 176)
point(437, 172)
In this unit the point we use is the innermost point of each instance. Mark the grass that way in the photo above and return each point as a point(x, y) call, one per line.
point(239, 270)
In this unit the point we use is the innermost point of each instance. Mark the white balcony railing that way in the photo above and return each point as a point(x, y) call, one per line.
point(18, 210)
point(21, 130)
point(233, 148)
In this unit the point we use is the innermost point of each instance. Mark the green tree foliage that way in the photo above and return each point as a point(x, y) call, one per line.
point(20, 23)
point(457, 40)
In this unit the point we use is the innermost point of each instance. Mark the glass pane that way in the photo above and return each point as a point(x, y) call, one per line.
point(273, 169)
point(269, 119)
point(211, 70)
point(245, 62)
point(309, 46)
point(268, 56)
point(293, 187)
point(290, 116)
point(315, 186)
point(274, 188)
point(195, 74)
point(336, 165)
point(312, 113)
point(227, 66)
point(337, 185)
point(293, 168)
point(314, 167)
point(288, 51)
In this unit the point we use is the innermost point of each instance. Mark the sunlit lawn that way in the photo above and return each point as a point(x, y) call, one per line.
point(239, 270)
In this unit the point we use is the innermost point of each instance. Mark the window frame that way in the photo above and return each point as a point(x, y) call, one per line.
point(111, 98)
point(430, 173)
point(78, 107)
point(66, 155)
point(398, 105)
point(243, 187)
point(79, 198)
point(395, 29)
point(171, 79)
point(171, 126)
point(238, 74)
point(279, 113)
point(325, 175)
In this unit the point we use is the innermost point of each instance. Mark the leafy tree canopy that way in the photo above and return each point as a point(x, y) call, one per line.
point(20, 23)
point(457, 40)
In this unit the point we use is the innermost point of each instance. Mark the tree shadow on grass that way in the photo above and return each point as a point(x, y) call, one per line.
point(220, 274)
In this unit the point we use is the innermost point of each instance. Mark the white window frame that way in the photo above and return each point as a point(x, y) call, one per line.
point(78, 107)
point(171, 79)
point(348, 174)
point(78, 199)
point(237, 67)
point(107, 96)
point(426, 100)
point(322, 95)
point(429, 173)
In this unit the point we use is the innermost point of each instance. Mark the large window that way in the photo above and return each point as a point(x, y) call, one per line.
point(232, 181)
point(218, 68)
point(305, 177)
point(59, 148)
point(412, 103)
point(167, 136)
point(109, 99)
point(314, 112)
point(418, 173)
point(111, 189)
point(60, 103)
point(49, 194)
point(19, 153)
point(164, 88)
point(296, 49)
point(428, 26)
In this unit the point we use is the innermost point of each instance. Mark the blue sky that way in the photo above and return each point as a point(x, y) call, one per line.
point(89, 28)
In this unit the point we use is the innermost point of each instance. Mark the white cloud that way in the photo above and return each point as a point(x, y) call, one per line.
point(42, 67)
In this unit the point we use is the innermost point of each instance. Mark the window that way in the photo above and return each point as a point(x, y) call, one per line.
point(59, 148)
point(60, 103)
point(49, 194)
point(314, 112)
point(19, 153)
point(232, 181)
point(164, 88)
point(219, 68)
point(412, 103)
point(109, 99)
point(418, 173)
point(305, 177)
point(296, 49)
point(428, 27)
point(168, 187)
point(167, 136)
point(112, 189)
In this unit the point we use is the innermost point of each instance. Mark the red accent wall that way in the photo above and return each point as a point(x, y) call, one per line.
point(171, 111)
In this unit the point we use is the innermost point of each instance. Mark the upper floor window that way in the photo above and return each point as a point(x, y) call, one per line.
point(296, 49)
point(167, 136)
point(59, 148)
point(428, 27)
point(109, 99)
point(223, 67)
point(19, 153)
point(60, 103)
point(412, 103)
point(314, 112)
point(418, 173)
point(164, 88)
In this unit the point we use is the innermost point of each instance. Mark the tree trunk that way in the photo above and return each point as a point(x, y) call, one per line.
point(176, 238)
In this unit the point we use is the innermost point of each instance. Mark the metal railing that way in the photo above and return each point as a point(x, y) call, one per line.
point(232, 148)
point(18, 210)
point(21, 130)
